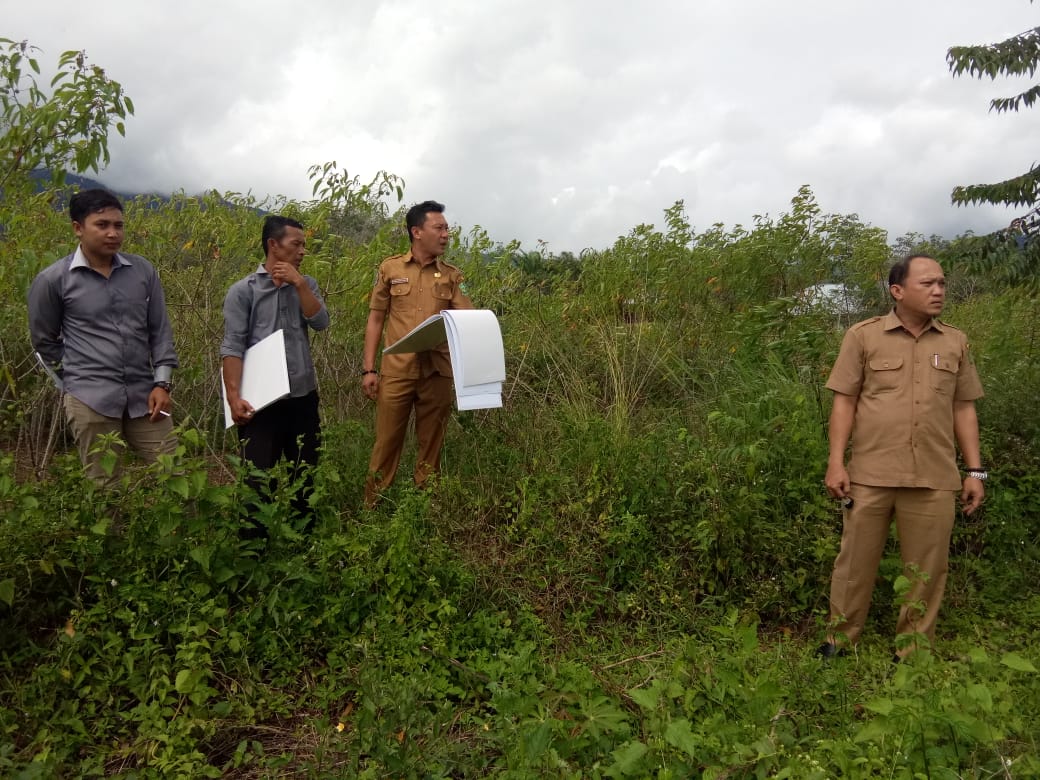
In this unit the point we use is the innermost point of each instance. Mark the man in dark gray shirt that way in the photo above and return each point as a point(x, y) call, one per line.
point(276, 296)
point(98, 318)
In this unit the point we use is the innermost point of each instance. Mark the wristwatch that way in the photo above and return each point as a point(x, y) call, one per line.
point(980, 474)
point(167, 386)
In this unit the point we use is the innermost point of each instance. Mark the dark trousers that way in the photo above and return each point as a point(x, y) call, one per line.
point(290, 429)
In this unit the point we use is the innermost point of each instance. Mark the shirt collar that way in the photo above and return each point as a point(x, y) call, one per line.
point(891, 322)
point(79, 260)
point(436, 262)
point(261, 269)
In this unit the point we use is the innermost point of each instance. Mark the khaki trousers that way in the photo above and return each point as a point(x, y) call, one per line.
point(148, 439)
point(924, 522)
point(431, 397)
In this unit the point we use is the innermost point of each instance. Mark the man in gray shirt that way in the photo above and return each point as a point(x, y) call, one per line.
point(98, 318)
point(276, 296)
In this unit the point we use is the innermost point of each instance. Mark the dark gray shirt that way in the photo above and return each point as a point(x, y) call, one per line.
point(110, 339)
point(255, 307)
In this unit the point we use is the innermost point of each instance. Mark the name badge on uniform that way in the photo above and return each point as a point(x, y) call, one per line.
point(399, 281)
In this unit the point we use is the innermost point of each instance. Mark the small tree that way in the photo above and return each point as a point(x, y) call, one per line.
point(67, 129)
point(1010, 256)
point(1017, 56)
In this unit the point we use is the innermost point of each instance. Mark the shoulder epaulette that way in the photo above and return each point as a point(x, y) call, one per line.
point(948, 325)
point(864, 323)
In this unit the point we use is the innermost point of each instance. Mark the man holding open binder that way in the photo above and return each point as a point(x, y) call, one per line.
point(276, 296)
point(409, 288)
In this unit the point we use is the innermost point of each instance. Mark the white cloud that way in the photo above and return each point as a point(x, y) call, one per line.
point(568, 122)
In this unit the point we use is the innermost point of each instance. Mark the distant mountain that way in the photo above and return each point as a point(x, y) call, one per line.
point(75, 182)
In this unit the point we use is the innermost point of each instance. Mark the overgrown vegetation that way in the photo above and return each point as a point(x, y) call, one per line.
point(621, 573)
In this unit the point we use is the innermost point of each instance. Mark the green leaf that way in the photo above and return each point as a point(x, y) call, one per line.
point(881, 706)
point(179, 485)
point(100, 528)
point(187, 680)
point(1017, 662)
point(7, 591)
point(536, 741)
point(628, 757)
point(982, 695)
point(679, 734)
point(646, 698)
point(201, 556)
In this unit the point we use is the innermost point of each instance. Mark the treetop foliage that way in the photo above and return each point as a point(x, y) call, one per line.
point(1019, 55)
point(69, 127)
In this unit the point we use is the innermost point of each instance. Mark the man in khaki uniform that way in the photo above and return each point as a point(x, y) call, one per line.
point(904, 390)
point(410, 288)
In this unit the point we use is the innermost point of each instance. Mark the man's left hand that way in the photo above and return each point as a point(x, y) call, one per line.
point(158, 402)
point(972, 494)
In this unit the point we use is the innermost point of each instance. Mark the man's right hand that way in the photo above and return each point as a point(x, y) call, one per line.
point(370, 385)
point(241, 410)
point(837, 480)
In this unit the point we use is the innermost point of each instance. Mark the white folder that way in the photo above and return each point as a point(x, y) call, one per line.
point(265, 375)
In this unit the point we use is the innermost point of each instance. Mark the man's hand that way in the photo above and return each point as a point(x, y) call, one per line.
point(158, 403)
point(972, 494)
point(241, 410)
point(837, 480)
point(286, 273)
point(370, 384)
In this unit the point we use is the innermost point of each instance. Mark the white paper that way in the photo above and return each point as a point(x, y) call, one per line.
point(475, 346)
point(265, 375)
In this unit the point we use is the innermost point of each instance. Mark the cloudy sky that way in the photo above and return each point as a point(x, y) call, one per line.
point(568, 122)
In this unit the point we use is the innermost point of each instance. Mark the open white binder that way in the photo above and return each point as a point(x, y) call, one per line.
point(477, 355)
point(265, 375)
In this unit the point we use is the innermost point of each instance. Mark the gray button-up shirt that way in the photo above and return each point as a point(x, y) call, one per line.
point(110, 339)
point(255, 307)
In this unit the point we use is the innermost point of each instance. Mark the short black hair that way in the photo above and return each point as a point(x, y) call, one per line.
point(416, 216)
point(274, 227)
point(897, 273)
point(86, 202)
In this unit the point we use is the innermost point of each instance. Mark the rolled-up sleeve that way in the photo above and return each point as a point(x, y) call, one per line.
point(160, 331)
point(236, 321)
point(320, 320)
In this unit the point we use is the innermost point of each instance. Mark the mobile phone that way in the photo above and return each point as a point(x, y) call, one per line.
point(846, 502)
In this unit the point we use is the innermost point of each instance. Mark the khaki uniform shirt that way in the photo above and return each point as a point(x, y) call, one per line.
point(409, 294)
point(903, 432)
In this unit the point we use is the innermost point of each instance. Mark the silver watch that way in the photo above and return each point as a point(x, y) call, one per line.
point(980, 474)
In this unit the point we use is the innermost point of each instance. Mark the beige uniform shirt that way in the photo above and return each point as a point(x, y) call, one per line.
point(410, 293)
point(903, 433)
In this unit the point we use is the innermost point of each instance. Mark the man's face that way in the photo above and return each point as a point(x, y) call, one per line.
point(923, 292)
point(433, 235)
point(101, 234)
point(290, 248)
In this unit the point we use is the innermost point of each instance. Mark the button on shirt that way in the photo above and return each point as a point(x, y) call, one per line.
point(903, 433)
point(255, 307)
point(111, 337)
point(410, 293)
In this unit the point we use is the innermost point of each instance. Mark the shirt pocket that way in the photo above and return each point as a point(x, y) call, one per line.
point(883, 375)
point(943, 373)
point(444, 291)
point(401, 288)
